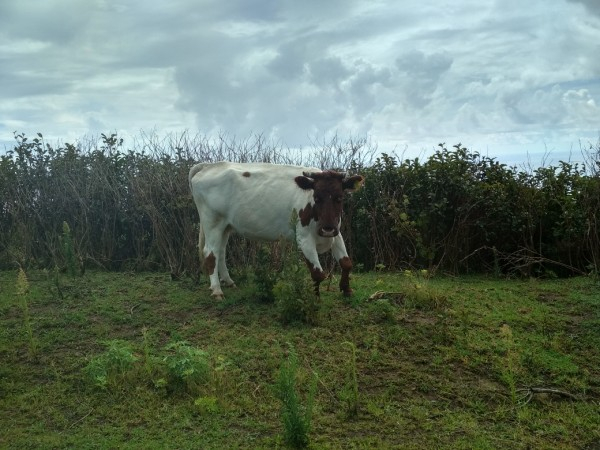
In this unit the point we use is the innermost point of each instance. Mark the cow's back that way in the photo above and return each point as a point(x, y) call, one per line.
point(255, 199)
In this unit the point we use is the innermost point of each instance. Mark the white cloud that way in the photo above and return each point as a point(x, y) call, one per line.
point(412, 73)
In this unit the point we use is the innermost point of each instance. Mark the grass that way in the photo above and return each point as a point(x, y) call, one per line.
point(438, 363)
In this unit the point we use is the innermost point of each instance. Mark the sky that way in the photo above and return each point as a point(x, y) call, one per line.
point(511, 79)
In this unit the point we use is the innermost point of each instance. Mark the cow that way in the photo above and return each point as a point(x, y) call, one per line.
point(257, 200)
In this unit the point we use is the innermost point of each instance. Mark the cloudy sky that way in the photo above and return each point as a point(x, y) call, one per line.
point(504, 77)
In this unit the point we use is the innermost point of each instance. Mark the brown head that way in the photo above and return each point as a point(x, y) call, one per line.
point(328, 194)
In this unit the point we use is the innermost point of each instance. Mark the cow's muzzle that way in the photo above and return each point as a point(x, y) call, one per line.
point(328, 232)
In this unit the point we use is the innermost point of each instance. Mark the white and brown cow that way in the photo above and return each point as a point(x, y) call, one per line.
point(257, 200)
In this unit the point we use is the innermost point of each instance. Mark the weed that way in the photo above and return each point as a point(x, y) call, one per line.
point(382, 311)
point(349, 392)
point(296, 419)
point(293, 292)
point(510, 361)
point(420, 294)
point(188, 366)
point(22, 288)
point(295, 299)
point(207, 405)
point(151, 363)
point(112, 369)
point(265, 277)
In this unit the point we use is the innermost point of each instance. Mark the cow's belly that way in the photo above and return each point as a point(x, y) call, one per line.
point(261, 228)
point(274, 228)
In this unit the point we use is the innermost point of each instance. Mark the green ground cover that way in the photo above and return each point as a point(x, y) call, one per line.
point(124, 360)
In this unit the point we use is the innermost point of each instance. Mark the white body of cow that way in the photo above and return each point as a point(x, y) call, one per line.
point(256, 200)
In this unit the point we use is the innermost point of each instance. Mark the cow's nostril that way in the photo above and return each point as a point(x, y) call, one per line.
point(328, 231)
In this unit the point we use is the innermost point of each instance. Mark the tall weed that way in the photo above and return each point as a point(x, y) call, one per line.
point(294, 295)
point(22, 289)
point(295, 417)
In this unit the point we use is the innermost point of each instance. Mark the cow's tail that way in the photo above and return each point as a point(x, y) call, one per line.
point(201, 245)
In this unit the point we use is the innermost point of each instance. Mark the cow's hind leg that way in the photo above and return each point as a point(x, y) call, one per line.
point(223, 272)
point(213, 241)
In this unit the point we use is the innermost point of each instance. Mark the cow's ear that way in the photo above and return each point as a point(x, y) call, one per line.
point(353, 183)
point(305, 182)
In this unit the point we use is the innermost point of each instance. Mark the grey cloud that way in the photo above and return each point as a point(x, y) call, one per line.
point(535, 107)
point(290, 62)
point(422, 73)
point(328, 71)
point(364, 87)
point(58, 21)
point(593, 6)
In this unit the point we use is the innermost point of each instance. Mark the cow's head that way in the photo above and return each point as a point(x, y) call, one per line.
point(328, 193)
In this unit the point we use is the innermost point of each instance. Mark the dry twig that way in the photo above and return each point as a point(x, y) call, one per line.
point(528, 393)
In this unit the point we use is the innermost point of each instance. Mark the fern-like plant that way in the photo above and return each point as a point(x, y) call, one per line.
point(296, 419)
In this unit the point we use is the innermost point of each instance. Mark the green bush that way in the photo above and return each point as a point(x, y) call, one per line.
point(458, 211)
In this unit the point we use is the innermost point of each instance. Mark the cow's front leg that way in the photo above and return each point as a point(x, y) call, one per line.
point(317, 274)
point(339, 252)
point(311, 257)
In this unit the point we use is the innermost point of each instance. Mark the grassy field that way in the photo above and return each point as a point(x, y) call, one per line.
point(123, 360)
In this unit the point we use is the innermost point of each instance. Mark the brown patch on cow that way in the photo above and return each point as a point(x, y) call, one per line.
point(306, 214)
point(346, 265)
point(246, 174)
point(210, 263)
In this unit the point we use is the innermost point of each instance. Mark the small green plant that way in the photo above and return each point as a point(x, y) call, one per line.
point(349, 393)
point(381, 310)
point(295, 418)
point(207, 405)
point(420, 294)
point(22, 288)
point(56, 282)
point(509, 362)
point(265, 277)
point(188, 366)
point(68, 249)
point(112, 369)
point(152, 364)
point(294, 293)
point(295, 298)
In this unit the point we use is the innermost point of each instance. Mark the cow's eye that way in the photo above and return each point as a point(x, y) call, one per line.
point(318, 199)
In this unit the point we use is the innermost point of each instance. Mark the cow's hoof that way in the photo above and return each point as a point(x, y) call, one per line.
point(347, 293)
point(218, 295)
